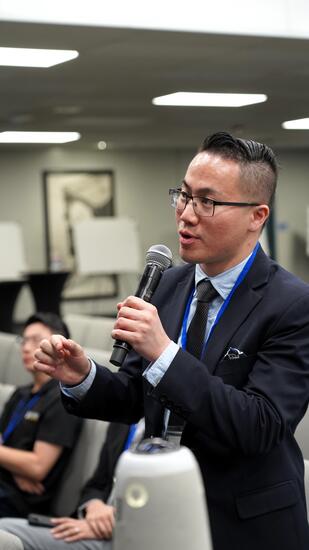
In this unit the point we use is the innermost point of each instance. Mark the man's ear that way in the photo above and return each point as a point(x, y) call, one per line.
point(259, 216)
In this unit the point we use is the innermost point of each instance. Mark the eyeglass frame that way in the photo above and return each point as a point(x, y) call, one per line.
point(214, 203)
point(23, 340)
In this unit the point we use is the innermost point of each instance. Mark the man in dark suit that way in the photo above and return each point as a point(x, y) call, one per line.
point(92, 529)
point(241, 397)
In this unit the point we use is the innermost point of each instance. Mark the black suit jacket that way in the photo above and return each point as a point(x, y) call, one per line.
point(240, 414)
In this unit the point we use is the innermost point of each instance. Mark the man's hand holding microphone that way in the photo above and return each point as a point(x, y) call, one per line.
point(138, 325)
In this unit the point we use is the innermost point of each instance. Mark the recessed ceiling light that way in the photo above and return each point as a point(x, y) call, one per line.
point(38, 137)
point(21, 118)
point(196, 99)
point(28, 57)
point(67, 110)
point(298, 124)
point(101, 145)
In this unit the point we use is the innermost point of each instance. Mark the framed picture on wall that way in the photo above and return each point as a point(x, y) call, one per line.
point(71, 197)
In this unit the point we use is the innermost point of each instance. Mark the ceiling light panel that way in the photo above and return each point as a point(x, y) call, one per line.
point(298, 124)
point(28, 57)
point(197, 99)
point(38, 137)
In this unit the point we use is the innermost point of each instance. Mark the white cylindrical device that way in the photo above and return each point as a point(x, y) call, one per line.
point(160, 499)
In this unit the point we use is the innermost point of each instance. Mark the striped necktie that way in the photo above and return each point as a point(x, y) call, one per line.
point(196, 331)
point(195, 343)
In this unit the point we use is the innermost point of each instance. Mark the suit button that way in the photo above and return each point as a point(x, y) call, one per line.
point(163, 399)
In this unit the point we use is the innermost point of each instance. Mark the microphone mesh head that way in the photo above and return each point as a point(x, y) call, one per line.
point(160, 255)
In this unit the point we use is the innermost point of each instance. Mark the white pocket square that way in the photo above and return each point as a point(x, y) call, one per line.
point(233, 353)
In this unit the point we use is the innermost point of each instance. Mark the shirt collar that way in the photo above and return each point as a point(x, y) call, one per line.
point(223, 282)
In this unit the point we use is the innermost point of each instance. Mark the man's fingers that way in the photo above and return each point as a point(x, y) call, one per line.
point(71, 530)
point(42, 367)
point(61, 529)
point(61, 521)
point(72, 348)
point(57, 339)
point(129, 313)
point(44, 357)
point(39, 490)
point(101, 528)
point(53, 348)
point(136, 303)
point(140, 314)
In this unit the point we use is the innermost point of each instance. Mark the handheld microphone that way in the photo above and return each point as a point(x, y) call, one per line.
point(158, 259)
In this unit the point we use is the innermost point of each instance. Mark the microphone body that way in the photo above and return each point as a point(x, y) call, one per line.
point(158, 259)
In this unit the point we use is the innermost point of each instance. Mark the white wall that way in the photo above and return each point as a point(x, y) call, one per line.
point(291, 206)
point(141, 183)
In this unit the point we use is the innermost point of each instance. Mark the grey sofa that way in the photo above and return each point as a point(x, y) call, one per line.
point(91, 332)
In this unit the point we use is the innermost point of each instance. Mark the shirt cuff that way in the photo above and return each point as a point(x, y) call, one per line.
point(156, 370)
point(82, 509)
point(78, 392)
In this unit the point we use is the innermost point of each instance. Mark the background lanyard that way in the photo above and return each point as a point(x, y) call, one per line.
point(222, 309)
point(130, 437)
point(22, 407)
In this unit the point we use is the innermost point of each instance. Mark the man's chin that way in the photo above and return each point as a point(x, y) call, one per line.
point(189, 256)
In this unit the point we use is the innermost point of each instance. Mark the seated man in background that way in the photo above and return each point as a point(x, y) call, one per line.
point(37, 434)
point(92, 530)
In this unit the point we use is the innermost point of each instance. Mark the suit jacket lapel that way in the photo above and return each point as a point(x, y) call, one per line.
point(244, 300)
point(172, 316)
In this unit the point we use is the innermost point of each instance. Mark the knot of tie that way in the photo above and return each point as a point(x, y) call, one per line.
point(205, 291)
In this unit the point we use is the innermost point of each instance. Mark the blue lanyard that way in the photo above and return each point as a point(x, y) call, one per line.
point(222, 309)
point(130, 436)
point(19, 413)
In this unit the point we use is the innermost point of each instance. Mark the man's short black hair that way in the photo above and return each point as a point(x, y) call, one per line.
point(257, 161)
point(50, 320)
point(245, 150)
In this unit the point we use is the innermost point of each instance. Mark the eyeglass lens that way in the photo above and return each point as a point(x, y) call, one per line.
point(201, 206)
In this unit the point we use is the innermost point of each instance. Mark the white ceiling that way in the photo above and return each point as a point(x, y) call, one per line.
point(106, 93)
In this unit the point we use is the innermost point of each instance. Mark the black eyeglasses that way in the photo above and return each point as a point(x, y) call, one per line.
point(202, 206)
point(34, 340)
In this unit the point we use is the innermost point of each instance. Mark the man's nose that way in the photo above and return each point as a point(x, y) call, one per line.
point(188, 212)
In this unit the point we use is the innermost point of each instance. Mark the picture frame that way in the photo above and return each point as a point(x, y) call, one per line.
point(71, 196)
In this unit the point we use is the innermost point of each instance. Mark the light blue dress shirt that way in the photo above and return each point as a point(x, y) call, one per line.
point(223, 283)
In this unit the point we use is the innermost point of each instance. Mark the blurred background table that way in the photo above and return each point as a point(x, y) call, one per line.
point(46, 288)
point(9, 290)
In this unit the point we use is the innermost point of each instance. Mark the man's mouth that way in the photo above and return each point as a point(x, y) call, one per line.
point(186, 237)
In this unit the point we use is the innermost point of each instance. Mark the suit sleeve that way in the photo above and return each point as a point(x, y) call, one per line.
point(114, 397)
